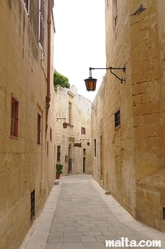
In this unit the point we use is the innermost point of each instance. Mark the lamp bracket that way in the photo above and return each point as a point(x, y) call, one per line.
point(60, 118)
point(82, 140)
point(139, 10)
point(110, 68)
point(123, 69)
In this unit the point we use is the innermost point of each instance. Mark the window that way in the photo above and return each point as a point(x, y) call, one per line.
point(14, 117)
point(41, 24)
point(82, 130)
point(95, 147)
point(51, 134)
point(38, 129)
point(26, 3)
point(69, 112)
point(117, 118)
point(32, 202)
point(163, 213)
point(58, 153)
point(114, 9)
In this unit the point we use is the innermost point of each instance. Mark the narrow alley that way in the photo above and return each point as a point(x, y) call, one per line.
point(79, 215)
point(82, 95)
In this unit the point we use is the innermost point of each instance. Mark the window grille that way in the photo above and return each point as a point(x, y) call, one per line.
point(95, 147)
point(32, 211)
point(14, 117)
point(38, 129)
point(58, 153)
point(83, 130)
point(117, 119)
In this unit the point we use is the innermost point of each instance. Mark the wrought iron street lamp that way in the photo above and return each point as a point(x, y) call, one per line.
point(91, 82)
point(64, 124)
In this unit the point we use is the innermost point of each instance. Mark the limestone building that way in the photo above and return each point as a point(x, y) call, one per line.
point(128, 119)
point(27, 111)
point(73, 143)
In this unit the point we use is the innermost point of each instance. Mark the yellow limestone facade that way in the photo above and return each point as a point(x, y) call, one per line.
point(128, 119)
point(27, 126)
point(74, 142)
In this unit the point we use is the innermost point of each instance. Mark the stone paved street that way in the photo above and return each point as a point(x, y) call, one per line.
point(78, 215)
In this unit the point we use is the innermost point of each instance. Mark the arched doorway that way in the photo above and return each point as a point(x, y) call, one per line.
point(69, 158)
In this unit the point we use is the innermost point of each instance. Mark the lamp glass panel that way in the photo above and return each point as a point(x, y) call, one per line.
point(64, 125)
point(90, 84)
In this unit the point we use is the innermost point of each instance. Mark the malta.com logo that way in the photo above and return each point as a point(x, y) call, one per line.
point(125, 242)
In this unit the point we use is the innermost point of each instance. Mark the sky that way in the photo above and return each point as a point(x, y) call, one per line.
point(79, 41)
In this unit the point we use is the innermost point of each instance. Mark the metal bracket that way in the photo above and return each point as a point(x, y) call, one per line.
point(123, 69)
point(60, 118)
point(111, 68)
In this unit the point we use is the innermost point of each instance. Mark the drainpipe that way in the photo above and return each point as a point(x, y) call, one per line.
point(48, 55)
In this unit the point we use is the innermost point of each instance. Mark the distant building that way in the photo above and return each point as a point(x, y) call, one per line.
point(74, 142)
point(128, 119)
point(27, 111)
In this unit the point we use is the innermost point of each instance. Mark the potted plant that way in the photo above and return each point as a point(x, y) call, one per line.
point(59, 168)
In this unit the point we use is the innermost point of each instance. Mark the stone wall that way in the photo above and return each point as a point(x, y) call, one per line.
point(116, 155)
point(130, 158)
point(25, 166)
point(148, 109)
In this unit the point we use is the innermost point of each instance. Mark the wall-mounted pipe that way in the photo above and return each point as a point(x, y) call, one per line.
point(48, 54)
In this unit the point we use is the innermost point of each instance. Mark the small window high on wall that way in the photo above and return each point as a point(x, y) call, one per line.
point(117, 119)
point(38, 128)
point(95, 147)
point(14, 118)
point(32, 205)
point(83, 131)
